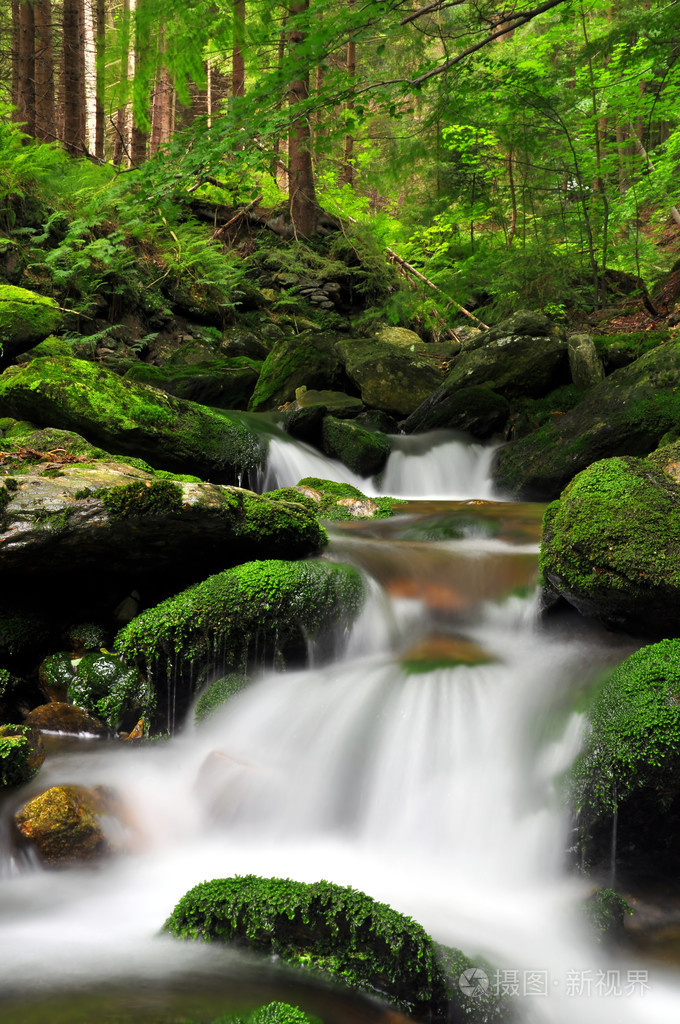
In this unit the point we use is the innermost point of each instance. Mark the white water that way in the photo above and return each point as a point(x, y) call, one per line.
point(438, 464)
point(432, 792)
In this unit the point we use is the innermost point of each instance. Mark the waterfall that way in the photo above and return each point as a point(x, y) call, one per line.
point(422, 767)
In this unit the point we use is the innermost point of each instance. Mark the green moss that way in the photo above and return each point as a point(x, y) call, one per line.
point(25, 317)
point(272, 1013)
point(291, 494)
point(259, 607)
point(339, 931)
point(224, 383)
point(619, 349)
point(11, 484)
point(450, 526)
point(146, 498)
point(56, 672)
point(332, 492)
point(217, 694)
point(634, 742)
point(20, 636)
point(338, 490)
point(77, 395)
point(17, 755)
point(363, 451)
point(111, 691)
point(306, 360)
point(87, 636)
point(605, 912)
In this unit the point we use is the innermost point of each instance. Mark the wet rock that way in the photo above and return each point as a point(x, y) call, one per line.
point(476, 410)
point(362, 451)
point(627, 414)
point(443, 651)
point(56, 674)
point(21, 754)
point(218, 693)
point(307, 360)
point(336, 403)
point(584, 362)
point(221, 383)
point(72, 824)
point(237, 342)
point(389, 377)
point(58, 716)
point(112, 691)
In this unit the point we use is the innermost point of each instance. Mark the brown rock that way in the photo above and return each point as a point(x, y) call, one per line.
point(61, 717)
point(68, 824)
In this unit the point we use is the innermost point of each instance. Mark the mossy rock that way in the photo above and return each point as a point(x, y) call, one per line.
point(87, 636)
point(56, 674)
point(67, 824)
point(334, 500)
point(361, 450)
point(222, 383)
point(260, 613)
point(627, 414)
point(21, 754)
point(605, 912)
point(611, 546)
point(113, 692)
point(450, 526)
point(271, 1013)
point(306, 360)
point(21, 638)
point(617, 350)
point(26, 318)
point(389, 377)
point(134, 419)
point(630, 764)
point(217, 694)
point(476, 410)
point(338, 931)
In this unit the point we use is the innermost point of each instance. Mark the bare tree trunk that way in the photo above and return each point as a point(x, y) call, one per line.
point(276, 169)
point(119, 142)
point(302, 197)
point(45, 124)
point(139, 137)
point(16, 34)
point(238, 71)
point(26, 95)
point(347, 165)
point(513, 198)
point(100, 45)
point(90, 63)
point(161, 112)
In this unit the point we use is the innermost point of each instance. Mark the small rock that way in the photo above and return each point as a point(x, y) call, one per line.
point(72, 824)
point(365, 509)
point(57, 716)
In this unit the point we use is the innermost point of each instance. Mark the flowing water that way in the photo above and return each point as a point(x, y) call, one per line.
point(421, 767)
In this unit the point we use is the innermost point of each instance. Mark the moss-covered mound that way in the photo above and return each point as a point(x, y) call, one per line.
point(217, 694)
point(611, 546)
point(21, 754)
point(222, 383)
point(25, 319)
point(135, 419)
point(627, 414)
point(262, 612)
point(337, 930)
point(363, 451)
point(116, 694)
point(329, 499)
point(630, 764)
point(272, 1013)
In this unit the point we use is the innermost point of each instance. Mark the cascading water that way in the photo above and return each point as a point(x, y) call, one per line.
point(428, 782)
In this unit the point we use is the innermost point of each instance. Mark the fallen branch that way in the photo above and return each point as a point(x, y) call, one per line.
point(421, 277)
point(237, 216)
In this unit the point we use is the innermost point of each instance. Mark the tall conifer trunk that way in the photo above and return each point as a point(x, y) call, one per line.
point(45, 121)
point(26, 63)
point(74, 79)
point(302, 196)
point(238, 79)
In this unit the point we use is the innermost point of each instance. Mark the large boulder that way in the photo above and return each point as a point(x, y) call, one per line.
point(476, 410)
point(25, 319)
point(630, 765)
point(71, 824)
point(339, 931)
point(222, 383)
point(627, 414)
point(611, 546)
point(260, 613)
point(133, 419)
point(305, 360)
point(116, 694)
point(76, 537)
point(389, 377)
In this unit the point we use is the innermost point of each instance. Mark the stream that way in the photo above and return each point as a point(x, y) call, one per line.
point(421, 767)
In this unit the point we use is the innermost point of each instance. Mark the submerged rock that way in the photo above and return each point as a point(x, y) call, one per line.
point(134, 419)
point(627, 414)
point(611, 546)
point(630, 765)
point(72, 824)
point(360, 943)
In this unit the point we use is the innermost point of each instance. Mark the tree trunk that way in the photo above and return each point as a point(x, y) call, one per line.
point(139, 137)
point(74, 85)
point(347, 165)
point(302, 197)
point(238, 74)
point(100, 45)
point(16, 34)
point(161, 112)
point(26, 96)
point(90, 71)
point(119, 142)
point(45, 123)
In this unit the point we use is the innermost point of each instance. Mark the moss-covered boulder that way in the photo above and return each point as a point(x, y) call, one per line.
point(611, 546)
point(129, 418)
point(222, 383)
point(389, 377)
point(55, 674)
point(113, 692)
point(77, 536)
point(260, 613)
point(476, 410)
point(21, 754)
point(627, 414)
point(305, 360)
point(271, 1013)
point(21, 638)
point(336, 930)
point(25, 319)
point(630, 764)
point(71, 824)
point(218, 693)
point(361, 450)
point(330, 499)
